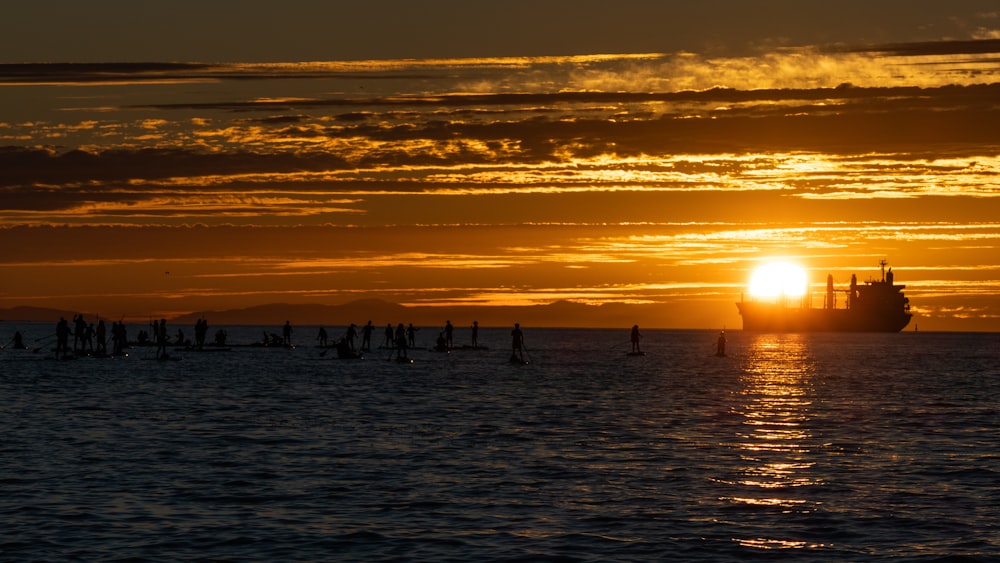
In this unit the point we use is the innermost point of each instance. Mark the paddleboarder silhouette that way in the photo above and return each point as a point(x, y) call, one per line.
point(634, 338)
point(517, 343)
point(401, 342)
point(366, 336)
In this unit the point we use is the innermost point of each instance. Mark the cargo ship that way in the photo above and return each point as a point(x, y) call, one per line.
point(875, 306)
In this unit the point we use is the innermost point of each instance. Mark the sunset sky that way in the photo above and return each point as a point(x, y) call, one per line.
point(161, 158)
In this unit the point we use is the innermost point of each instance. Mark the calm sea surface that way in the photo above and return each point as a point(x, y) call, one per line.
point(811, 447)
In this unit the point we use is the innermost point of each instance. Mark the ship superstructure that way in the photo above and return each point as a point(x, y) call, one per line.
point(875, 306)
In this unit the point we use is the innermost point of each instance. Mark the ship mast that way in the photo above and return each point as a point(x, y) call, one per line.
point(883, 263)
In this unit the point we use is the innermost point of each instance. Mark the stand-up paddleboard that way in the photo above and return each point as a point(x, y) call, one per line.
point(164, 358)
point(635, 353)
point(517, 361)
point(354, 356)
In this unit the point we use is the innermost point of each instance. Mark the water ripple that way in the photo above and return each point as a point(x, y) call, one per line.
point(790, 447)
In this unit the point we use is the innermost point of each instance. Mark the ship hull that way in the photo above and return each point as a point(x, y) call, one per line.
point(768, 317)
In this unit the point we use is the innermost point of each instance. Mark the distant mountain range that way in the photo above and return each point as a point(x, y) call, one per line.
point(558, 314)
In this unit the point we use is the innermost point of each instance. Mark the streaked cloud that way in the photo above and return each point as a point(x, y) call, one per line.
point(653, 178)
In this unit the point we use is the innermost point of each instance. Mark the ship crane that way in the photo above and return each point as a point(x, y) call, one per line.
point(874, 306)
point(831, 292)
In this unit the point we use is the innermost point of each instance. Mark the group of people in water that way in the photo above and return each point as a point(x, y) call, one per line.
point(161, 340)
point(400, 339)
point(91, 339)
point(88, 338)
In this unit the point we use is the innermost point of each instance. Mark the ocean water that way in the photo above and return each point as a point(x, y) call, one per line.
point(870, 447)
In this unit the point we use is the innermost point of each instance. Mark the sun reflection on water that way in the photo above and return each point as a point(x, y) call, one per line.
point(774, 440)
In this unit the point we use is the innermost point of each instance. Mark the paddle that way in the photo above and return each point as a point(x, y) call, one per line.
point(391, 352)
point(42, 339)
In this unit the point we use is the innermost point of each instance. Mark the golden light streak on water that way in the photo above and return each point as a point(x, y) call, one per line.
point(774, 444)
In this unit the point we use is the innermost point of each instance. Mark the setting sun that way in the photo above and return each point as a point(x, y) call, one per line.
point(778, 278)
point(588, 182)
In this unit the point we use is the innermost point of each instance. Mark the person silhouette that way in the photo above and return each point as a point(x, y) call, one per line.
point(118, 338)
point(634, 338)
point(366, 336)
point(102, 338)
point(390, 340)
point(79, 328)
point(62, 338)
point(200, 332)
point(352, 333)
point(517, 343)
point(401, 342)
point(161, 340)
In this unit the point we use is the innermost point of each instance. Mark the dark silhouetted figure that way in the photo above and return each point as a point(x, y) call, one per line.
point(449, 335)
point(475, 334)
point(344, 350)
point(366, 336)
point(102, 338)
point(154, 333)
point(517, 343)
point(161, 340)
point(720, 344)
point(62, 338)
point(119, 338)
point(87, 345)
point(401, 341)
point(411, 335)
point(389, 339)
point(322, 336)
point(18, 340)
point(200, 332)
point(287, 333)
point(352, 333)
point(634, 338)
point(79, 328)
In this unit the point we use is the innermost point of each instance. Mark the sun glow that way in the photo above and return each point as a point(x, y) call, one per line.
point(778, 278)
